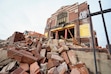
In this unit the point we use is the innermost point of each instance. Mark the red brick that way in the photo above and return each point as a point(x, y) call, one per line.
point(72, 57)
point(49, 54)
point(52, 63)
point(80, 67)
point(28, 41)
point(12, 54)
point(18, 71)
point(83, 70)
point(39, 46)
point(65, 57)
point(25, 58)
point(26, 52)
point(25, 73)
point(75, 71)
point(34, 68)
point(17, 36)
point(70, 66)
point(24, 66)
point(36, 54)
point(43, 60)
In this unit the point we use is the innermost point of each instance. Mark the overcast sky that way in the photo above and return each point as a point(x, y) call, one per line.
point(21, 15)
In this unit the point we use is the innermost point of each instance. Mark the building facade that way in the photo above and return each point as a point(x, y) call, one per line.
point(70, 21)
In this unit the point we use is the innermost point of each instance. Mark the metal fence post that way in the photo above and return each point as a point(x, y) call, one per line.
point(108, 43)
point(92, 41)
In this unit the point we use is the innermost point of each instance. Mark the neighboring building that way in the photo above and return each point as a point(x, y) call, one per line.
point(71, 18)
point(33, 34)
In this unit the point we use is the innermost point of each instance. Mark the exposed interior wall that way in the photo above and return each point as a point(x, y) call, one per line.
point(61, 33)
point(53, 34)
point(68, 34)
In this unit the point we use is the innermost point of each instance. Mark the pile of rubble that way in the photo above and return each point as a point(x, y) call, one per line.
point(39, 55)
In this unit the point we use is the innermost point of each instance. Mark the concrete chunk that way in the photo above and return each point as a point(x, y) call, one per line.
point(62, 68)
point(44, 67)
point(42, 52)
point(55, 42)
point(53, 48)
point(53, 71)
point(49, 54)
point(61, 42)
point(8, 67)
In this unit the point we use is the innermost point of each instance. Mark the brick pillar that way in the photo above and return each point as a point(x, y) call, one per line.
point(77, 32)
point(56, 36)
point(65, 36)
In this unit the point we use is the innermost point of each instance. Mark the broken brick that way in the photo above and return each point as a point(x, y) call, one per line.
point(62, 68)
point(43, 60)
point(12, 54)
point(65, 57)
point(42, 52)
point(75, 71)
point(83, 70)
point(17, 36)
point(52, 63)
point(26, 52)
point(18, 71)
point(28, 41)
point(36, 54)
point(48, 48)
point(39, 46)
point(57, 57)
point(25, 58)
point(34, 68)
point(72, 57)
point(24, 66)
point(49, 54)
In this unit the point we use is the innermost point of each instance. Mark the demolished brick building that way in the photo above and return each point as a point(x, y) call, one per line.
point(33, 53)
point(70, 19)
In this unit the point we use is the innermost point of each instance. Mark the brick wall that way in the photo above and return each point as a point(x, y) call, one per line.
point(72, 11)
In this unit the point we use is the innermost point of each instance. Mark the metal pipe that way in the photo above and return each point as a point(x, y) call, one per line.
point(92, 38)
point(99, 12)
point(108, 43)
